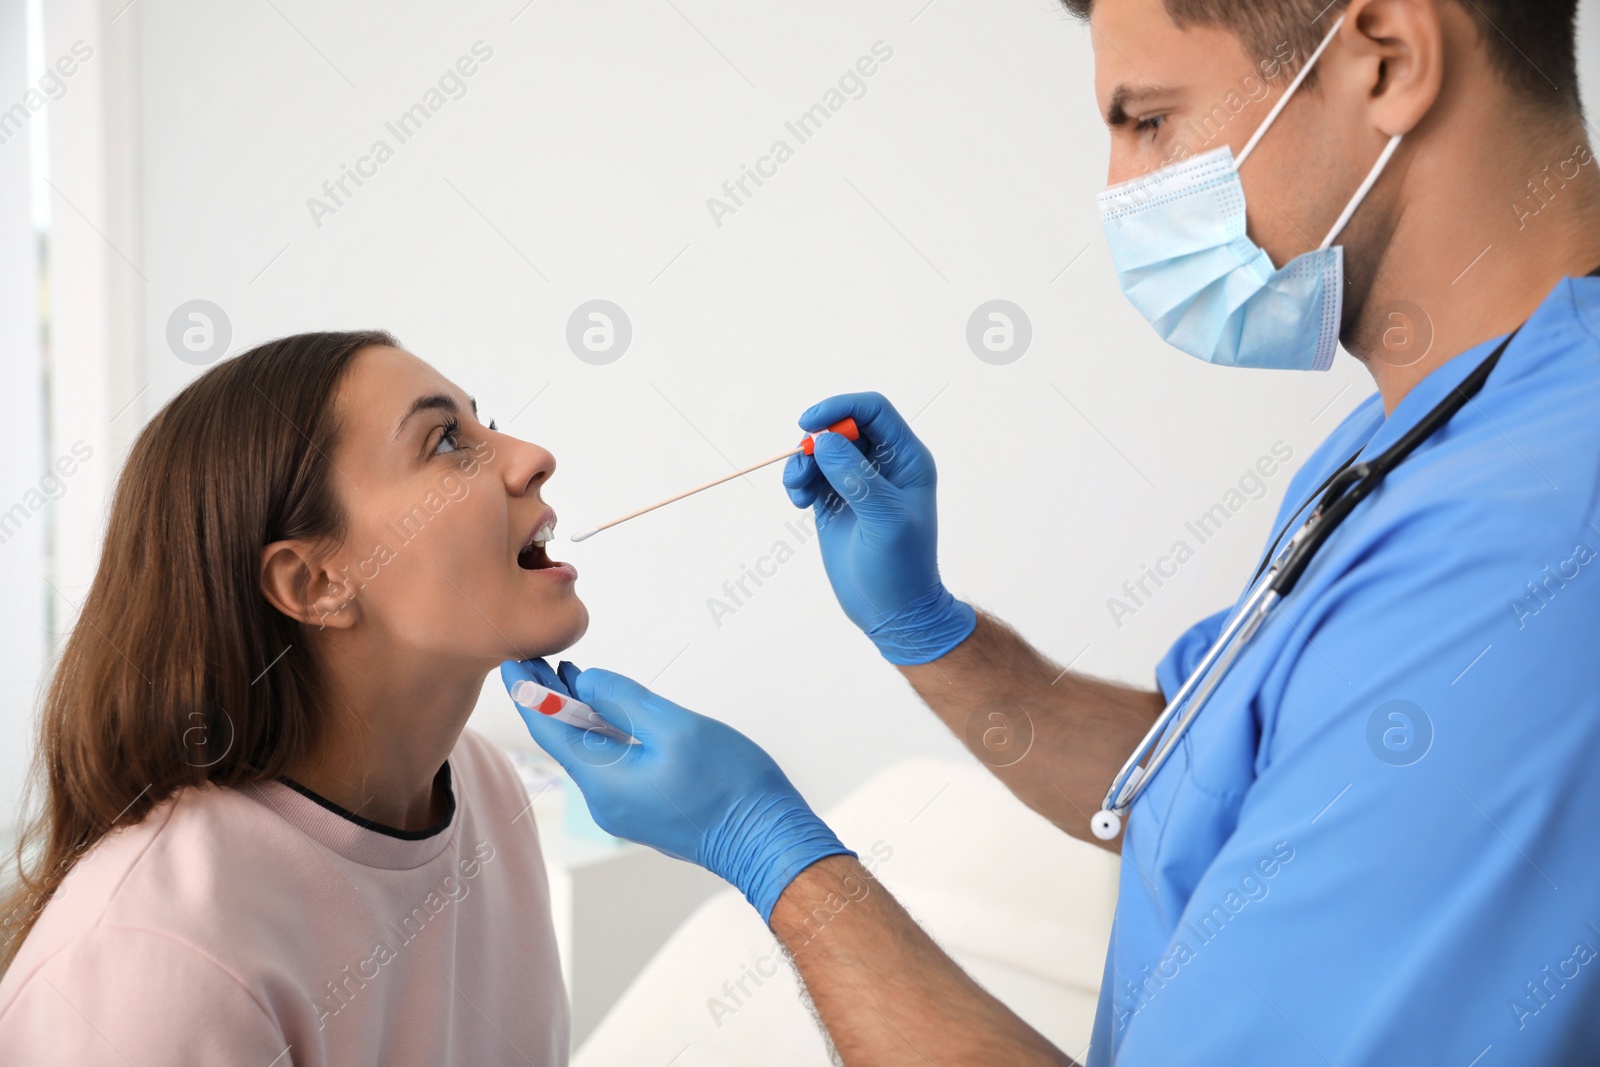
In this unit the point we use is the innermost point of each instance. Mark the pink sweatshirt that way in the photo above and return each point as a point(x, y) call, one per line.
point(262, 927)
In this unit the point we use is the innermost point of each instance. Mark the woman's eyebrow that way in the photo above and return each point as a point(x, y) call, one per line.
point(433, 402)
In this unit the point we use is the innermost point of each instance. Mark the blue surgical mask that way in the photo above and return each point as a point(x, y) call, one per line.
point(1183, 258)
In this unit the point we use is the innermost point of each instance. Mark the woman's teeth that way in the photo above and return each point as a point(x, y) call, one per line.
point(532, 557)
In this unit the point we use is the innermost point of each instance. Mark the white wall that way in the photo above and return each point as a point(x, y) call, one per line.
point(72, 385)
point(578, 166)
point(22, 532)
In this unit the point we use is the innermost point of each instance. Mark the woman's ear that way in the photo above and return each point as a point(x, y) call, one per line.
point(1400, 46)
point(297, 584)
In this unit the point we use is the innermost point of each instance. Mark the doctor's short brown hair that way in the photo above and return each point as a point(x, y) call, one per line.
point(1532, 43)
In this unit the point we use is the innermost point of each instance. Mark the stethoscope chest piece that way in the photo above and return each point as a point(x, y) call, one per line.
point(1106, 824)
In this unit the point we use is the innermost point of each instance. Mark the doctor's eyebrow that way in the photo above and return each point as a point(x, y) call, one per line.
point(433, 402)
point(1124, 95)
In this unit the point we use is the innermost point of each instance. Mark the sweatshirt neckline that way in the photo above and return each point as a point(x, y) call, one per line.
point(440, 779)
point(359, 840)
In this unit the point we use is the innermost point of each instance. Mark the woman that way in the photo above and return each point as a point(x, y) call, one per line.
point(267, 837)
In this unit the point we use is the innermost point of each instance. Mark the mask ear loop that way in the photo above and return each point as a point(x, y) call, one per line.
point(1283, 101)
point(1361, 193)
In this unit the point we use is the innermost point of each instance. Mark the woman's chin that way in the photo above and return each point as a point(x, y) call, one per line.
point(556, 631)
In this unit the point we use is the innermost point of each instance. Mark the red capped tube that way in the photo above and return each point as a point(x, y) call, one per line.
point(846, 426)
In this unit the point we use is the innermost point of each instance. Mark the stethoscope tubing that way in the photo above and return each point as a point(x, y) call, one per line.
point(1131, 777)
point(1345, 490)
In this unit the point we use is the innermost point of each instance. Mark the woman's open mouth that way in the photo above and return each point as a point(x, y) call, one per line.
point(533, 556)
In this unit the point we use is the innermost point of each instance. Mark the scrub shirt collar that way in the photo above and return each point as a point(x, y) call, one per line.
point(1426, 394)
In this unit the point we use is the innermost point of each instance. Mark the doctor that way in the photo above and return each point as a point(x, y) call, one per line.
point(1377, 843)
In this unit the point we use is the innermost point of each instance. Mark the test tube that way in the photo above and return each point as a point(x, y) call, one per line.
point(573, 712)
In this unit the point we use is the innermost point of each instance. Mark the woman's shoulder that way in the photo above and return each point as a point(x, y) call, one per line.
point(67, 1007)
point(153, 881)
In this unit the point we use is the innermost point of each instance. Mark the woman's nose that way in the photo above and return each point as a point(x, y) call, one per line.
point(528, 466)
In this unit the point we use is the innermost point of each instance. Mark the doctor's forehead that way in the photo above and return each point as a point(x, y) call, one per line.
point(1143, 58)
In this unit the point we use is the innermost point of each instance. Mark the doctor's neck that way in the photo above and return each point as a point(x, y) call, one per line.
point(1495, 203)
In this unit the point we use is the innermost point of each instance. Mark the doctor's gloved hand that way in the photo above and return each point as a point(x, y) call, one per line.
point(693, 788)
point(874, 505)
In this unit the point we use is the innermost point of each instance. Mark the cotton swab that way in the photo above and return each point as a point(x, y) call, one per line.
point(846, 426)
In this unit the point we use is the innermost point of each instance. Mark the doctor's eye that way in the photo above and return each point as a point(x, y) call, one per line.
point(1149, 124)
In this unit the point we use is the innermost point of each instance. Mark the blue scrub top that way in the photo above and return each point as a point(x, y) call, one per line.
point(1379, 843)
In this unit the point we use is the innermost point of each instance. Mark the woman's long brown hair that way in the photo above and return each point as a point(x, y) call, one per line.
point(178, 672)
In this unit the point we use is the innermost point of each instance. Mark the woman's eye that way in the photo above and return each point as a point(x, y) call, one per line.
point(451, 437)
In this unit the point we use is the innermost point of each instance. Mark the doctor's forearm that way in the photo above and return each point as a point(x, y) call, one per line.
point(886, 993)
point(1054, 737)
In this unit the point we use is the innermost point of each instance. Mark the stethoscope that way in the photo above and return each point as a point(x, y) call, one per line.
point(1347, 487)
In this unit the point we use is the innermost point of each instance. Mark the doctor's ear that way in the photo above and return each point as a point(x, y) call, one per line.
point(1395, 49)
point(299, 581)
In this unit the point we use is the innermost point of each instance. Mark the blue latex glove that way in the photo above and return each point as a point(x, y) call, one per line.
point(874, 507)
point(693, 788)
